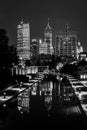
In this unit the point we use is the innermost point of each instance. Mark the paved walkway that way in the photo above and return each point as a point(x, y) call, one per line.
point(13, 90)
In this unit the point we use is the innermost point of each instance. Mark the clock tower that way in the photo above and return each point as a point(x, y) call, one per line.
point(48, 38)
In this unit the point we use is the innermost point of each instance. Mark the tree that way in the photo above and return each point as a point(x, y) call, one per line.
point(4, 52)
point(13, 58)
point(5, 60)
point(69, 69)
point(3, 38)
point(28, 63)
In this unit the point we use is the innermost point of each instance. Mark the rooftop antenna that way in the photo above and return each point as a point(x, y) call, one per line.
point(67, 28)
point(48, 21)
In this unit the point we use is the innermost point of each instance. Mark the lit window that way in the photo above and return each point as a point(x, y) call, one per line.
point(81, 76)
point(84, 76)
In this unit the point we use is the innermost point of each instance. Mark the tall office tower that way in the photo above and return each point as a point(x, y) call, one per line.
point(79, 49)
point(42, 47)
point(65, 44)
point(34, 48)
point(23, 42)
point(48, 38)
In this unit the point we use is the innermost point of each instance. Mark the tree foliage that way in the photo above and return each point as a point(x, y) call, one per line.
point(4, 52)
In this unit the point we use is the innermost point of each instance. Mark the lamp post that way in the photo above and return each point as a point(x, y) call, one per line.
point(4, 94)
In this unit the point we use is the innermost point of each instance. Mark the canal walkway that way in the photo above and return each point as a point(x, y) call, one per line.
point(14, 90)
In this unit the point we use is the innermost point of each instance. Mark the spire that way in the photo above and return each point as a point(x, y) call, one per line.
point(48, 22)
point(48, 27)
point(67, 28)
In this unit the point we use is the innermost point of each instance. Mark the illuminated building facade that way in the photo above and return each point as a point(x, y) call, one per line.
point(23, 100)
point(83, 56)
point(48, 38)
point(66, 43)
point(79, 49)
point(42, 47)
point(23, 42)
point(34, 48)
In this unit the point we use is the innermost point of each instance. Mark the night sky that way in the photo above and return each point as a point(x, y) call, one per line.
point(36, 12)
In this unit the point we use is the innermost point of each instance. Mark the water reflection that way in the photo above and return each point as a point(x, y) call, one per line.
point(34, 89)
point(42, 102)
point(48, 102)
point(24, 101)
point(48, 96)
point(43, 90)
point(43, 95)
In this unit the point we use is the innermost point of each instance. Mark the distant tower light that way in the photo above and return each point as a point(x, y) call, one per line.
point(22, 21)
point(67, 28)
point(40, 41)
point(79, 44)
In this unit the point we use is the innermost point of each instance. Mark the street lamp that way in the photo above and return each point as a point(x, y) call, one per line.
point(20, 84)
point(4, 94)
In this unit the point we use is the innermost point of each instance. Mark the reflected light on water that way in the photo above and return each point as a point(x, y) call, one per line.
point(24, 101)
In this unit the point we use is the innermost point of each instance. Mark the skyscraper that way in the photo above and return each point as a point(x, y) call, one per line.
point(23, 42)
point(66, 43)
point(79, 49)
point(34, 48)
point(42, 47)
point(48, 38)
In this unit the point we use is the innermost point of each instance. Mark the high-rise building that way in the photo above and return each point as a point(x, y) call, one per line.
point(48, 38)
point(34, 48)
point(23, 42)
point(79, 49)
point(42, 47)
point(66, 43)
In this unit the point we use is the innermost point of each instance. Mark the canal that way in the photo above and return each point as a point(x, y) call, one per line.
point(46, 104)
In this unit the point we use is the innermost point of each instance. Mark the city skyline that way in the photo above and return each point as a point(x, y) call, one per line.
point(37, 13)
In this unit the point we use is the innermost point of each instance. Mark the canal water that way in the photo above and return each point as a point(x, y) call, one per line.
point(31, 108)
point(37, 107)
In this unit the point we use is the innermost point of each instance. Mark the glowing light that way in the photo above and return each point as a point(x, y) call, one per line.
point(18, 89)
point(5, 99)
point(24, 101)
point(40, 41)
point(4, 105)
